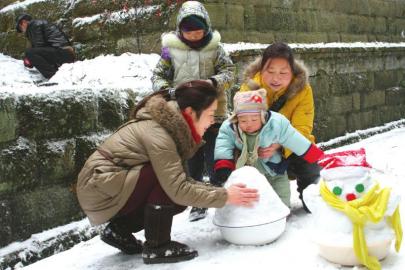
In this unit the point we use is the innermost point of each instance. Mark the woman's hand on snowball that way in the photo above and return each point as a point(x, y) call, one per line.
point(266, 152)
point(239, 194)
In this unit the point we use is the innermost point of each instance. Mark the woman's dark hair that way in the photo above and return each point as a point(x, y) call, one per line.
point(197, 94)
point(278, 50)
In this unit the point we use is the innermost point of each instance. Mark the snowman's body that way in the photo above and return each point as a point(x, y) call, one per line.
point(333, 230)
point(257, 225)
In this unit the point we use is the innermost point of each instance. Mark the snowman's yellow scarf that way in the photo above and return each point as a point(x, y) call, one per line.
point(371, 207)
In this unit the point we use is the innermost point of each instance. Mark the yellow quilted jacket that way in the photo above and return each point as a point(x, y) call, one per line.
point(299, 107)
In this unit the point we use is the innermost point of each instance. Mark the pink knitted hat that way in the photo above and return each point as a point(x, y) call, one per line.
point(249, 102)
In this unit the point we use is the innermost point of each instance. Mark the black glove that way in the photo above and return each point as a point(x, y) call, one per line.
point(220, 176)
point(27, 63)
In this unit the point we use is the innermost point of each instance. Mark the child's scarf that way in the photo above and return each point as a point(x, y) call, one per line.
point(371, 207)
point(245, 158)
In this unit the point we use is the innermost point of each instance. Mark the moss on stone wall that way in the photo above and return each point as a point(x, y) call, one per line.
point(8, 119)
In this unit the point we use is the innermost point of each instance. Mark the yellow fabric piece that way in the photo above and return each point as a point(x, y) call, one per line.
point(371, 207)
point(395, 222)
point(299, 110)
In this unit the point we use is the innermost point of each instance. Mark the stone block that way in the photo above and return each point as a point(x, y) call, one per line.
point(356, 99)
point(18, 167)
point(359, 24)
point(388, 113)
point(328, 22)
point(89, 8)
point(385, 79)
point(372, 99)
point(378, 8)
point(111, 113)
point(249, 18)
point(8, 119)
point(286, 4)
point(311, 37)
point(325, 5)
point(217, 13)
point(26, 165)
point(379, 25)
point(330, 127)
point(369, 118)
point(333, 37)
point(262, 18)
point(56, 162)
point(57, 115)
point(281, 20)
point(353, 37)
point(285, 37)
point(306, 21)
point(400, 7)
point(37, 210)
point(351, 83)
point(396, 27)
point(7, 21)
point(12, 44)
point(234, 36)
point(5, 3)
point(235, 17)
point(362, 7)
point(340, 104)
point(395, 96)
point(401, 77)
point(320, 83)
point(260, 37)
point(354, 122)
point(345, 7)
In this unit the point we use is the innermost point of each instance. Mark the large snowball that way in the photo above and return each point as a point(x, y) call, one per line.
point(260, 224)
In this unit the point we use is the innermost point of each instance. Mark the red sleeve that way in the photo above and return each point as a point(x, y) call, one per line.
point(224, 163)
point(313, 154)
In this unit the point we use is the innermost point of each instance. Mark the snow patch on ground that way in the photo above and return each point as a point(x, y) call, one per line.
point(127, 71)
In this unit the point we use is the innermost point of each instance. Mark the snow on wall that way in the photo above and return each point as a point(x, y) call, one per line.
point(19, 4)
point(242, 46)
point(116, 16)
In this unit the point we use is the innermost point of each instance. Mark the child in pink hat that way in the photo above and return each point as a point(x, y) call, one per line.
point(251, 126)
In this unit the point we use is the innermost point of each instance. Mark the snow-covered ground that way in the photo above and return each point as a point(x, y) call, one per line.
point(293, 250)
point(127, 71)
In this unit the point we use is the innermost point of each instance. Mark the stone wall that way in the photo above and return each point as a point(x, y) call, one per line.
point(45, 139)
point(300, 21)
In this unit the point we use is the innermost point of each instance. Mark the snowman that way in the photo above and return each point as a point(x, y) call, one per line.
point(257, 225)
point(355, 218)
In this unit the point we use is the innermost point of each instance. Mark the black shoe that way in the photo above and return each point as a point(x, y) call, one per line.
point(170, 252)
point(197, 213)
point(120, 239)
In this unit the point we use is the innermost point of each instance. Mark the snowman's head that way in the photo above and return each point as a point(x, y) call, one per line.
point(348, 183)
point(347, 174)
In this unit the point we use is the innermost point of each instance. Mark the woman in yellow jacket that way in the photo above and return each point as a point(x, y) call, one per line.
point(289, 93)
